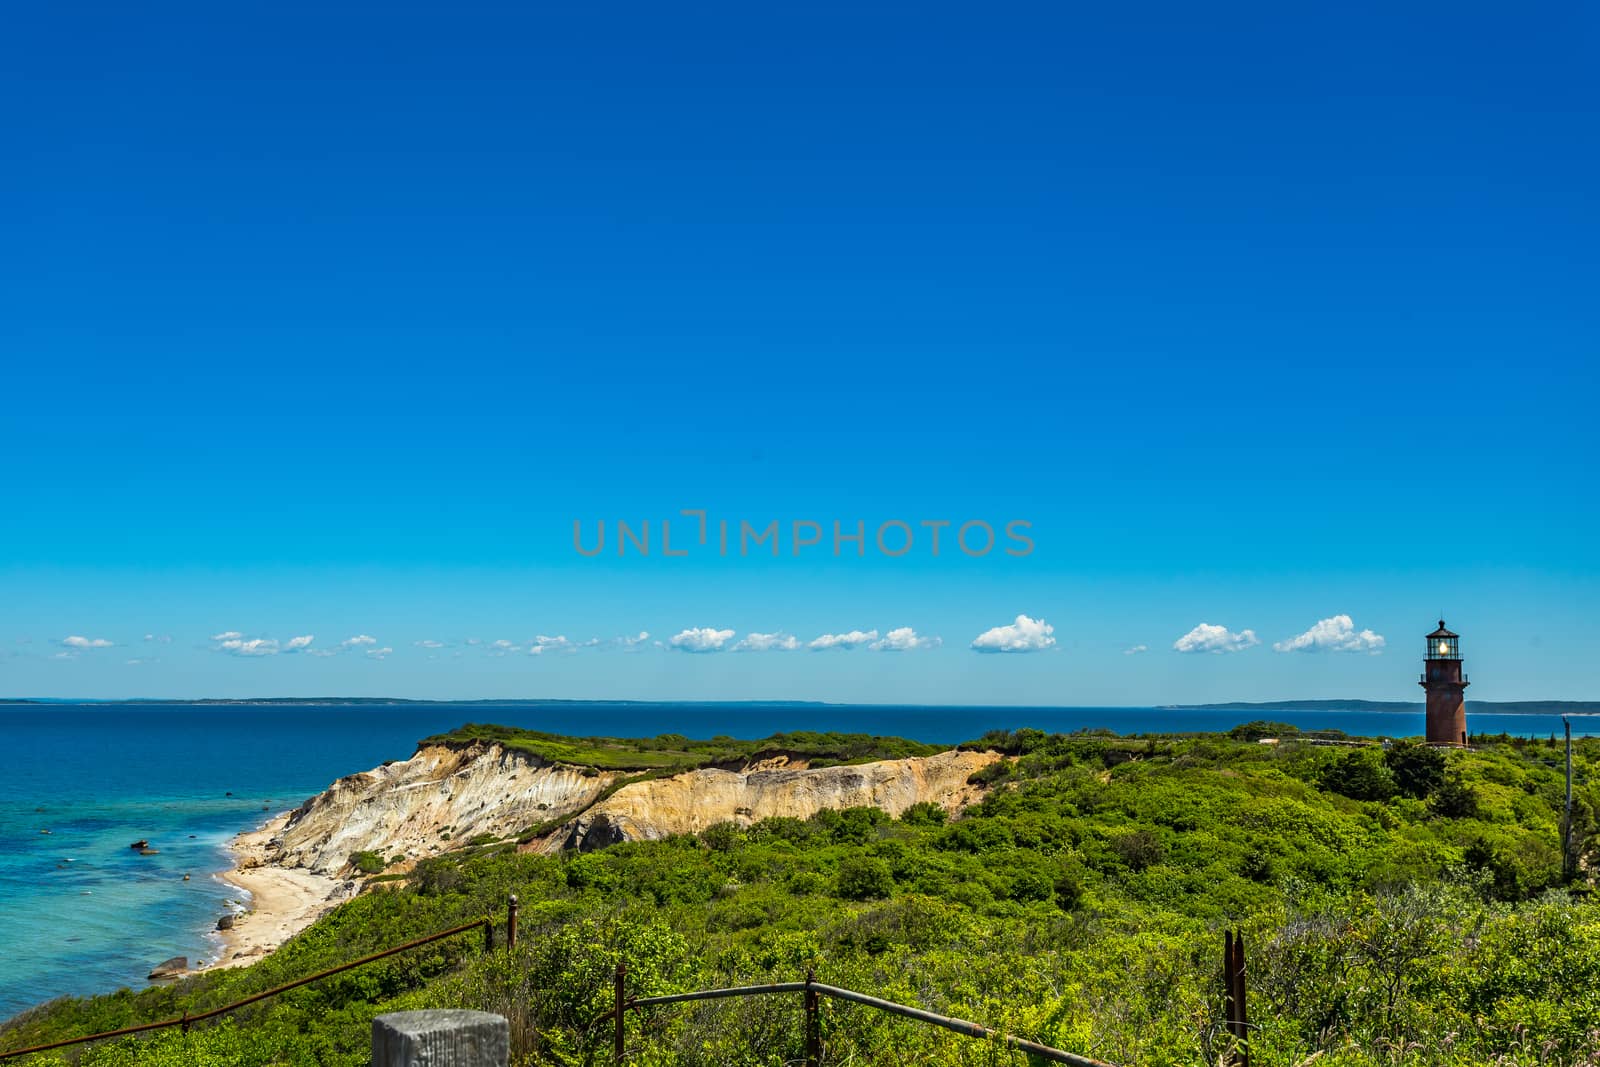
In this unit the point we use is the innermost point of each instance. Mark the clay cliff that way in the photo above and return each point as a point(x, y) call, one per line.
point(440, 798)
point(448, 795)
point(690, 802)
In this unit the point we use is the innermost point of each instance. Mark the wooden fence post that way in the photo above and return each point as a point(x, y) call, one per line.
point(1238, 1016)
point(621, 1009)
point(813, 1003)
point(511, 922)
point(488, 935)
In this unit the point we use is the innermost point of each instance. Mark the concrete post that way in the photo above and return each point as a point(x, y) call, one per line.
point(440, 1038)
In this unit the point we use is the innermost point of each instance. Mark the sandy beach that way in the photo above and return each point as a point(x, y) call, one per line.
point(282, 901)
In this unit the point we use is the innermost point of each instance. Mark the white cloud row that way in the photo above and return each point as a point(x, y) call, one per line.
point(702, 639)
point(237, 643)
point(1337, 633)
point(711, 639)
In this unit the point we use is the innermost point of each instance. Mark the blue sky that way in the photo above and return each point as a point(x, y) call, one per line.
point(331, 322)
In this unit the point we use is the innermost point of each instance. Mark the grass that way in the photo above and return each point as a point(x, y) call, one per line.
point(674, 753)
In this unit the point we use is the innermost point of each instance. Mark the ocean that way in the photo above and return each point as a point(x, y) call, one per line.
point(82, 913)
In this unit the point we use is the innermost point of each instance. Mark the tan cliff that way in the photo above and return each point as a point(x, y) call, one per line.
point(690, 802)
point(447, 795)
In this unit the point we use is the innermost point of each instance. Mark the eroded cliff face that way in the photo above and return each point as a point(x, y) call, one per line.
point(691, 802)
point(408, 807)
point(444, 796)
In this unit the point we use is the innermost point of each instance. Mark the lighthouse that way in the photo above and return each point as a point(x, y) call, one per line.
point(1446, 688)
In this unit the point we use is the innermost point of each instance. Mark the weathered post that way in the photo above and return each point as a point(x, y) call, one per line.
point(511, 922)
point(1227, 992)
point(1233, 989)
point(813, 1003)
point(440, 1038)
point(1568, 867)
point(621, 1009)
point(488, 935)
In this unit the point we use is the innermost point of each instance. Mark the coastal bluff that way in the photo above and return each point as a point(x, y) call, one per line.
point(692, 801)
point(450, 795)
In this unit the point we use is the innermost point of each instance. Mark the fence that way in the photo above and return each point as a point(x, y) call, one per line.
point(185, 1021)
point(813, 991)
point(1236, 1024)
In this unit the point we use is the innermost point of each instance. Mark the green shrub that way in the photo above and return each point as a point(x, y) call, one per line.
point(1359, 774)
point(1417, 769)
point(367, 862)
point(863, 878)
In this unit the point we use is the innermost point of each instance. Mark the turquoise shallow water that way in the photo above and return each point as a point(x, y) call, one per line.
point(82, 913)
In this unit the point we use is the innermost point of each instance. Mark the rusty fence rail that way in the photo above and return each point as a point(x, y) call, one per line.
point(813, 991)
point(185, 1021)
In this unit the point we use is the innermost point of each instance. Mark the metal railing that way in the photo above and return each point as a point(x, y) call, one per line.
point(813, 991)
point(185, 1021)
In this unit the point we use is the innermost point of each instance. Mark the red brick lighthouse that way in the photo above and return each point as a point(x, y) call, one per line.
point(1446, 687)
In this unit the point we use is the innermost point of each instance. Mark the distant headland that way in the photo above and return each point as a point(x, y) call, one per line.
point(1498, 707)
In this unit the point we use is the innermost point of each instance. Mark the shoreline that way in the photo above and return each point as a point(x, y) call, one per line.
point(282, 901)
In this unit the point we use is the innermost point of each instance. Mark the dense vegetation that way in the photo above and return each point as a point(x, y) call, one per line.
point(1400, 906)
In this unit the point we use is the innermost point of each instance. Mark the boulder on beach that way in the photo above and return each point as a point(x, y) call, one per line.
point(173, 968)
point(226, 922)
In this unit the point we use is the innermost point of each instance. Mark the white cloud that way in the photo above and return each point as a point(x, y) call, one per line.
point(632, 644)
point(235, 643)
point(500, 647)
point(701, 639)
point(79, 643)
point(845, 642)
point(379, 653)
point(1135, 650)
point(904, 639)
point(1336, 634)
point(358, 641)
point(255, 646)
point(774, 642)
point(160, 639)
point(543, 644)
point(321, 653)
point(1024, 635)
point(1208, 637)
point(429, 643)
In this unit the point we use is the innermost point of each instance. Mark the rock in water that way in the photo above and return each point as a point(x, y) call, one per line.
point(173, 968)
point(225, 923)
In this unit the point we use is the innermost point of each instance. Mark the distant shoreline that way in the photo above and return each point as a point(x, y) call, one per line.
point(1396, 707)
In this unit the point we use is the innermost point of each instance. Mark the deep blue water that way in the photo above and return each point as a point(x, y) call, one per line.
point(100, 777)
